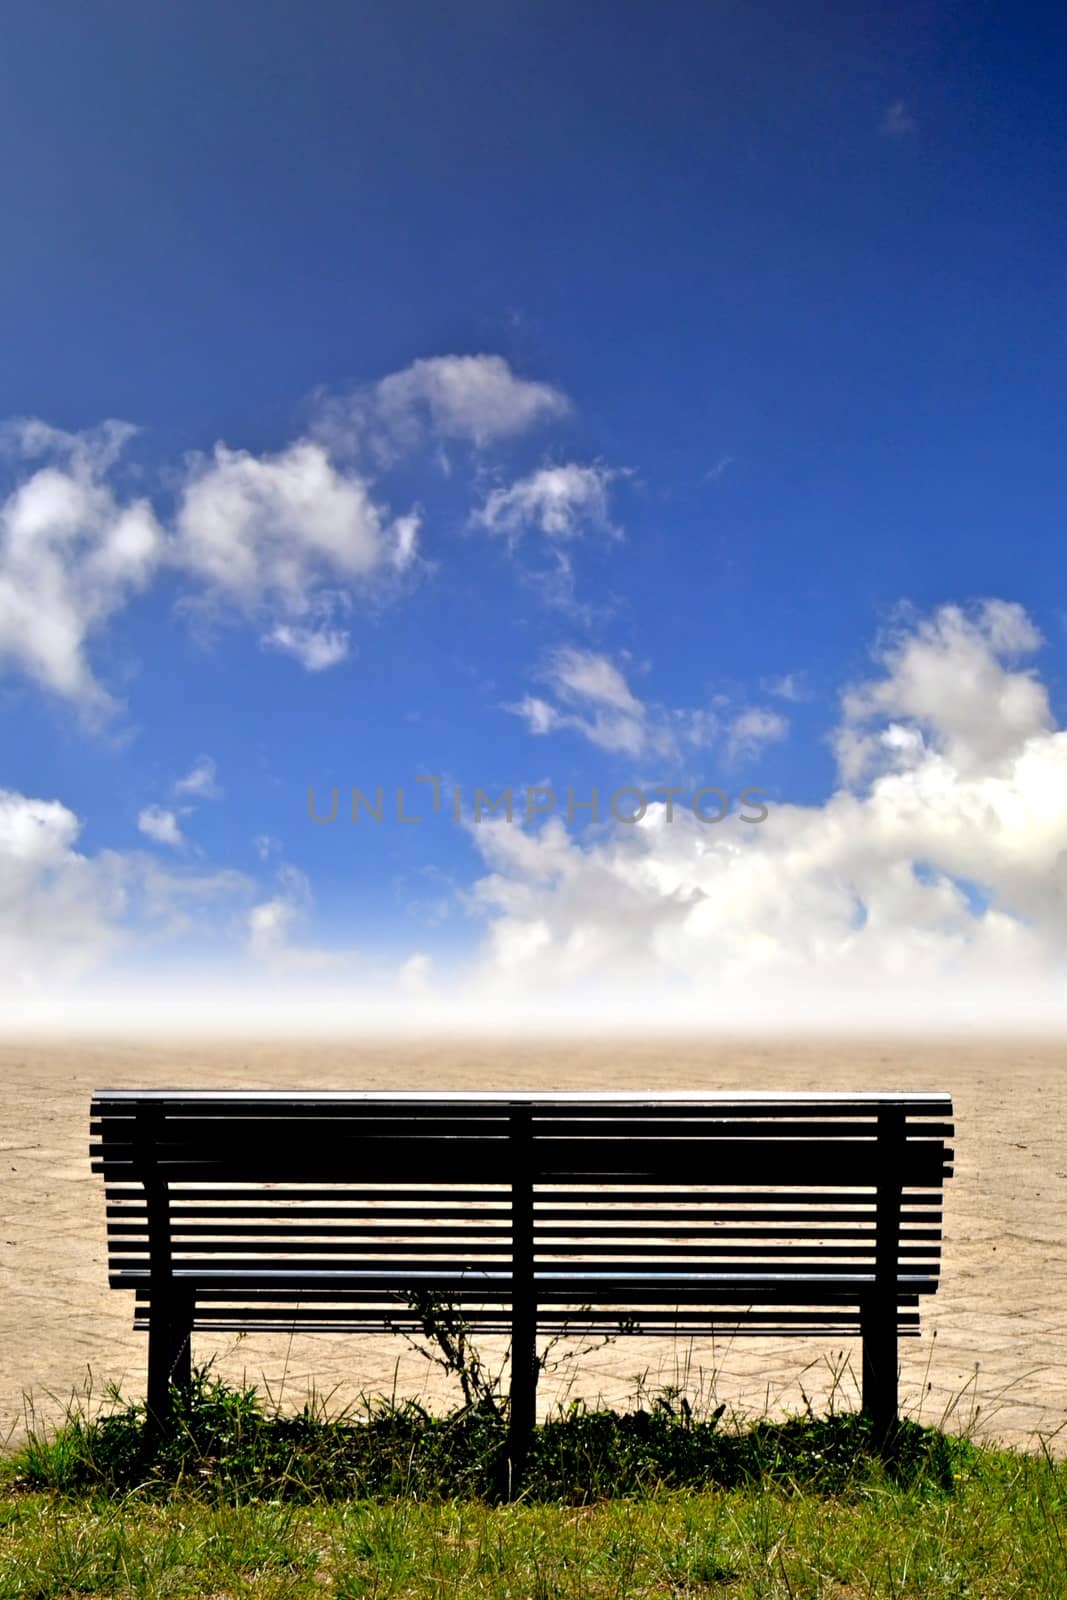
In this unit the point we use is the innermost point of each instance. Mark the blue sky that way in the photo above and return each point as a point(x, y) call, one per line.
point(621, 397)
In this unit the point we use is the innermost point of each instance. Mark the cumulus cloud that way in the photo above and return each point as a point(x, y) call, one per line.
point(65, 913)
point(290, 541)
point(930, 887)
point(562, 502)
point(73, 552)
point(936, 879)
point(161, 825)
point(473, 399)
point(284, 539)
point(947, 679)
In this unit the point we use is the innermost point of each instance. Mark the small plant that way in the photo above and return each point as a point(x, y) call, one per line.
point(450, 1345)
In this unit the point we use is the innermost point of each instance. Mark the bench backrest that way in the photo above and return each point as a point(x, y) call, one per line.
point(262, 1189)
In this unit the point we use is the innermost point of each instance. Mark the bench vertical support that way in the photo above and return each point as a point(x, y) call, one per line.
point(879, 1312)
point(170, 1308)
point(524, 1368)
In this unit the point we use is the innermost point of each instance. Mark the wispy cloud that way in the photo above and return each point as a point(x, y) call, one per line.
point(316, 649)
point(561, 502)
point(201, 781)
point(790, 686)
point(588, 694)
point(898, 122)
point(752, 730)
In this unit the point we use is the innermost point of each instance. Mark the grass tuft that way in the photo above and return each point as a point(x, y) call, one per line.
point(228, 1445)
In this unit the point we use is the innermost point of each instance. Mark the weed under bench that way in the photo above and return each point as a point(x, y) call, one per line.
point(674, 1214)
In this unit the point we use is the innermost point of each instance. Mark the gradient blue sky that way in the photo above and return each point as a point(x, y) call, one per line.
point(604, 393)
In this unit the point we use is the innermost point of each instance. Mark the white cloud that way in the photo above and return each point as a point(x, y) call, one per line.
point(539, 716)
point(405, 541)
point(72, 554)
point(273, 923)
point(59, 911)
point(161, 825)
point(314, 648)
point(946, 678)
point(563, 502)
point(268, 528)
point(65, 914)
point(287, 541)
point(937, 884)
point(929, 889)
point(476, 399)
point(273, 537)
point(201, 781)
point(269, 924)
point(593, 699)
point(751, 730)
point(599, 703)
point(583, 675)
point(413, 977)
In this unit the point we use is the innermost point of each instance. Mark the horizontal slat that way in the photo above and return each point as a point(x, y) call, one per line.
point(609, 1211)
point(847, 1163)
point(582, 1283)
point(636, 1100)
point(584, 1249)
point(545, 1195)
point(194, 1131)
point(498, 1293)
point(287, 1227)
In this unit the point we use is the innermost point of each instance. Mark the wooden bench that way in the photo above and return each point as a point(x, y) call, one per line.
point(677, 1213)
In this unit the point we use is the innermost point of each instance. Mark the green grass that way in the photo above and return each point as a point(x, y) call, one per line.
point(394, 1502)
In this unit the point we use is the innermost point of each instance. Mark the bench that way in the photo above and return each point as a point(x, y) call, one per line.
point(674, 1214)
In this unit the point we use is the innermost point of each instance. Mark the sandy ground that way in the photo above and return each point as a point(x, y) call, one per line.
point(994, 1351)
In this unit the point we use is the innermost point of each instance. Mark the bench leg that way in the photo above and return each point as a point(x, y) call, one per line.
point(522, 1412)
point(170, 1324)
point(878, 1325)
